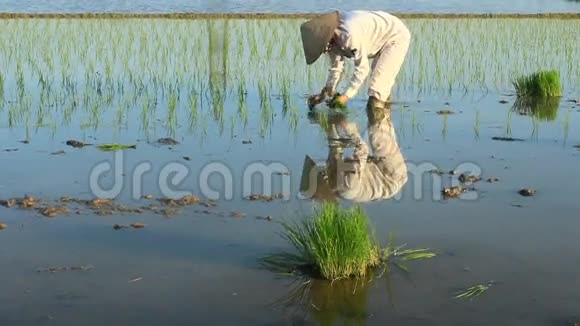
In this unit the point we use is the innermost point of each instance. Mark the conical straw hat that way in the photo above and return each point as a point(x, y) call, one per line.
point(316, 33)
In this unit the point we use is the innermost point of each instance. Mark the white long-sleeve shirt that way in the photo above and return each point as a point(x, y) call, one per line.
point(365, 33)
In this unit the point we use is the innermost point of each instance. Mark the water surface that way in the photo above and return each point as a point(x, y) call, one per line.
point(495, 6)
point(137, 81)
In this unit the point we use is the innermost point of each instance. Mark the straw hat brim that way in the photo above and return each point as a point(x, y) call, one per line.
point(316, 34)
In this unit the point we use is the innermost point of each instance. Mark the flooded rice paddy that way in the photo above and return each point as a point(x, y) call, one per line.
point(297, 6)
point(212, 100)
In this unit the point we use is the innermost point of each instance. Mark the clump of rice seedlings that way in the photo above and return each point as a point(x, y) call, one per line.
point(115, 147)
point(542, 108)
point(539, 84)
point(474, 291)
point(335, 244)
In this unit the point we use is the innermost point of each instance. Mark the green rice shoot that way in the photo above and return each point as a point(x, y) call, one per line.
point(115, 147)
point(539, 84)
point(474, 291)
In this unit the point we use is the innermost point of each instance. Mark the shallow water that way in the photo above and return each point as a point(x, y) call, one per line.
point(495, 6)
point(203, 268)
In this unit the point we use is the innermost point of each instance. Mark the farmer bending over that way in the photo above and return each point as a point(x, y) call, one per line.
point(358, 35)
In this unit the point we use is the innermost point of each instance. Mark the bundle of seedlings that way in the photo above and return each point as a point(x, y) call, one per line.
point(337, 243)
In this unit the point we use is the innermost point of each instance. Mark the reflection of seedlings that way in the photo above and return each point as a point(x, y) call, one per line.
point(527, 192)
point(503, 102)
point(61, 152)
point(541, 108)
point(577, 147)
point(476, 125)
point(474, 291)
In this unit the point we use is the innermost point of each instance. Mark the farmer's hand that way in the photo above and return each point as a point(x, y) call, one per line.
point(341, 99)
point(314, 100)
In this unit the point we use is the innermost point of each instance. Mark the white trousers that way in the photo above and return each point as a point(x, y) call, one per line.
point(387, 64)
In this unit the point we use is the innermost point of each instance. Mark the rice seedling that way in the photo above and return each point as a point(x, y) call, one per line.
point(336, 243)
point(474, 291)
point(539, 84)
point(115, 147)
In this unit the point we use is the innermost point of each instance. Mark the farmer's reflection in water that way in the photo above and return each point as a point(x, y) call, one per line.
point(376, 171)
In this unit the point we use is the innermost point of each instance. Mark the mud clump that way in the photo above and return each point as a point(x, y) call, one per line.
point(27, 202)
point(137, 225)
point(577, 147)
point(452, 192)
point(54, 211)
point(9, 203)
point(527, 192)
point(237, 214)
point(492, 180)
point(167, 141)
point(266, 218)
point(466, 178)
point(168, 212)
point(246, 142)
point(256, 197)
point(76, 143)
point(3, 226)
point(186, 200)
point(445, 112)
point(61, 152)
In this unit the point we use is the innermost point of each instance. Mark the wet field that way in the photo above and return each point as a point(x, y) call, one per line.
point(515, 6)
point(232, 94)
